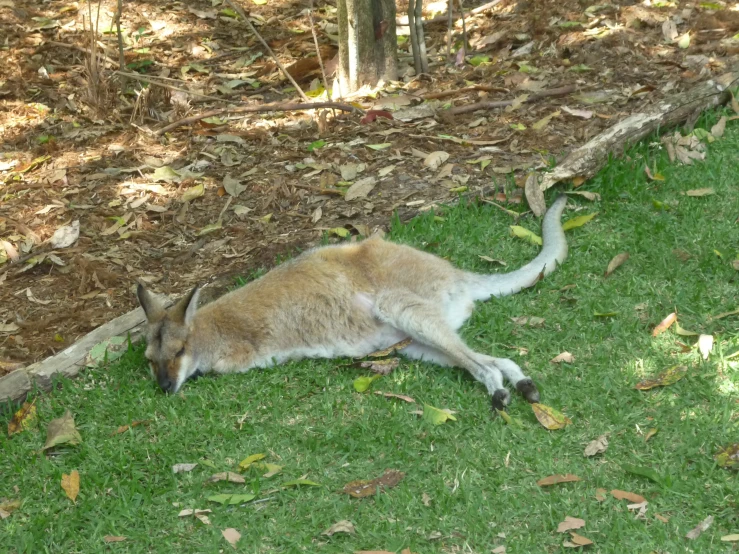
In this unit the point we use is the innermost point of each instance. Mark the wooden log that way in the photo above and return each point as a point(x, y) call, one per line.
point(586, 160)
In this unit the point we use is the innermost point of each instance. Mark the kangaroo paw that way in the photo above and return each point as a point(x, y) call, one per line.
point(501, 399)
point(528, 389)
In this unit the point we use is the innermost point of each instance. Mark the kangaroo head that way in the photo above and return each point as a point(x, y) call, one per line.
point(170, 357)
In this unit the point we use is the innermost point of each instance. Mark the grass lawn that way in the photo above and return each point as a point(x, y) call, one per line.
point(470, 484)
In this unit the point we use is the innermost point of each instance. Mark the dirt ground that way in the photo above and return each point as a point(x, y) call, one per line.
point(212, 200)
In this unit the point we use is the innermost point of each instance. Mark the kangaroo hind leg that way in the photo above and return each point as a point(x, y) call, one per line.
point(425, 323)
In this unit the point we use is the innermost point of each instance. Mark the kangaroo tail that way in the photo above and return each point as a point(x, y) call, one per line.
point(553, 253)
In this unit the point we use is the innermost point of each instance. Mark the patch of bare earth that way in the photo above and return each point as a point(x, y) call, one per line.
point(71, 152)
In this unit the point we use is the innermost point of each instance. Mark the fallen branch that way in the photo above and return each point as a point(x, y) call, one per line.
point(562, 91)
point(586, 160)
point(254, 31)
point(453, 92)
point(286, 107)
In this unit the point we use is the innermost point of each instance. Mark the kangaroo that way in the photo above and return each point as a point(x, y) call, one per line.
point(345, 300)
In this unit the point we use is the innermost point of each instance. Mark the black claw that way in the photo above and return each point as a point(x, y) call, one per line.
point(528, 389)
point(501, 398)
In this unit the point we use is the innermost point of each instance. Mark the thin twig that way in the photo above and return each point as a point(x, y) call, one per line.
point(450, 23)
point(464, 27)
point(283, 107)
point(254, 31)
point(444, 94)
point(562, 91)
point(121, 57)
point(318, 50)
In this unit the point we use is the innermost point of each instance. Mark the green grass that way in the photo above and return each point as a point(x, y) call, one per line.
point(479, 473)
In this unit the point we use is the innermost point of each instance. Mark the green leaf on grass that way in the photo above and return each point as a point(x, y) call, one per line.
point(249, 460)
point(508, 419)
point(729, 457)
point(232, 498)
point(667, 377)
point(523, 233)
point(647, 472)
point(578, 221)
point(437, 416)
point(301, 482)
point(361, 384)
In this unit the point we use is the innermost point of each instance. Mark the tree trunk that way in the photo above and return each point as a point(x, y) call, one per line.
point(367, 43)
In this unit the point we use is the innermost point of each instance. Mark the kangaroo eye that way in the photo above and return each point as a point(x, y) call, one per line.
point(181, 352)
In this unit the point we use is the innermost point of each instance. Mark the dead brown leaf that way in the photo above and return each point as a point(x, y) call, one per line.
point(555, 479)
point(662, 518)
point(124, 428)
point(534, 195)
point(698, 529)
point(600, 494)
point(231, 535)
point(71, 485)
point(381, 367)
point(564, 357)
point(23, 419)
point(229, 476)
point(361, 488)
point(113, 538)
point(616, 262)
point(7, 507)
point(597, 446)
point(393, 395)
point(664, 324)
point(395, 347)
point(579, 540)
point(630, 496)
point(569, 524)
point(343, 526)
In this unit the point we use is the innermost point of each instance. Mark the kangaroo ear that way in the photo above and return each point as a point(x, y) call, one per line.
point(184, 310)
point(153, 307)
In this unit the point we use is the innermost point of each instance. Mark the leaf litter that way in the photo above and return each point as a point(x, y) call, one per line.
point(363, 488)
point(62, 431)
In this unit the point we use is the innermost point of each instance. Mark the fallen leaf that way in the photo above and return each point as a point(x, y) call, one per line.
point(718, 129)
point(339, 232)
point(193, 512)
point(229, 476)
point(549, 417)
point(393, 395)
point(728, 457)
point(192, 193)
point(650, 434)
point(71, 485)
point(62, 431)
point(705, 345)
point(7, 507)
point(23, 419)
point(640, 508)
point(360, 189)
point(437, 416)
point(699, 192)
point(124, 428)
point(597, 446)
point(698, 529)
point(556, 479)
point(435, 159)
point(684, 41)
point(233, 186)
point(231, 499)
point(684, 332)
point(564, 357)
point(578, 221)
point(362, 488)
point(381, 367)
point(534, 195)
point(343, 526)
point(249, 460)
point(616, 262)
point(592, 196)
point(585, 114)
point(183, 468)
point(499, 550)
point(301, 482)
point(382, 146)
point(662, 518)
point(723, 315)
point(730, 538)
point(395, 347)
point(65, 236)
point(113, 538)
point(361, 384)
point(569, 524)
point(664, 324)
point(371, 115)
point(505, 416)
point(426, 499)
point(231, 535)
point(667, 377)
point(579, 540)
point(523, 233)
point(271, 469)
point(600, 494)
point(630, 496)
point(540, 125)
